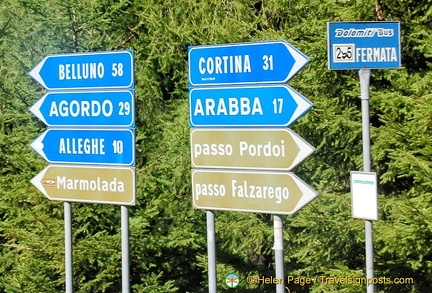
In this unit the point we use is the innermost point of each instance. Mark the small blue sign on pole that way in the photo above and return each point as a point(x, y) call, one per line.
point(87, 146)
point(263, 106)
point(357, 45)
point(244, 63)
point(110, 70)
point(112, 108)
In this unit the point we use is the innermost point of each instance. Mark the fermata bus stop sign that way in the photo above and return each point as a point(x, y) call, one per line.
point(357, 45)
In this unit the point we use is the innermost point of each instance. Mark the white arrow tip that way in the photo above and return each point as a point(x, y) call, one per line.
point(305, 148)
point(37, 182)
point(35, 73)
point(303, 105)
point(35, 109)
point(37, 145)
point(308, 193)
point(300, 60)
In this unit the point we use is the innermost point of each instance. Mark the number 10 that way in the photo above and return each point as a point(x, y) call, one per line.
point(118, 146)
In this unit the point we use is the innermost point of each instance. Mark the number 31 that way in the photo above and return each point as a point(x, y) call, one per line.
point(268, 62)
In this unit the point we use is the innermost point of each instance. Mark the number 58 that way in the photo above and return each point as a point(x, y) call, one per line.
point(117, 69)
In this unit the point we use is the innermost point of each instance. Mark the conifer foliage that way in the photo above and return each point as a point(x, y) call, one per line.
point(167, 236)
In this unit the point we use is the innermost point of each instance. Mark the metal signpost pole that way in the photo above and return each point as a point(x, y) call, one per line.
point(364, 75)
point(279, 253)
point(125, 248)
point(68, 247)
point(211, 251)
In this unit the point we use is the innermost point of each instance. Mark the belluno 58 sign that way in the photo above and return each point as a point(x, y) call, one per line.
point(108, 70)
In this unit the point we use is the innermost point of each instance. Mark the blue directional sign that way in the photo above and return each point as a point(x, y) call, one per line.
point(87, 146)
point(93, 70)
point(357, 45)
point(244, 63)
point(114, 108)
point(265, 106)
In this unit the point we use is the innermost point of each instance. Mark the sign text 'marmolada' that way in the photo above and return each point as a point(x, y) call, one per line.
point(97, 184)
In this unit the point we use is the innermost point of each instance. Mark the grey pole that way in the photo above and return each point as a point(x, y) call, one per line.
point(68, 247)
point(278, 248)
point(125, 249)
point(211, 251)
point(364, 75)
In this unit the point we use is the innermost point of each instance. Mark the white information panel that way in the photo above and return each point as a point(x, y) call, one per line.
point(364, 195)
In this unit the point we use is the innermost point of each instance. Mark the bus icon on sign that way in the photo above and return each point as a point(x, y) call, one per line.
point(343, 53)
